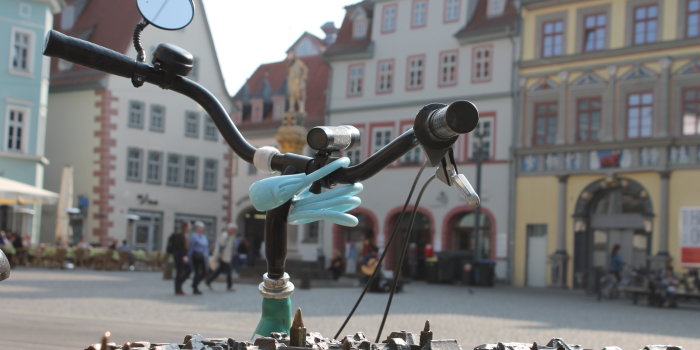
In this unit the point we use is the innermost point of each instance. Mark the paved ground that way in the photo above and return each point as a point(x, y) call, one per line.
point(55, 309)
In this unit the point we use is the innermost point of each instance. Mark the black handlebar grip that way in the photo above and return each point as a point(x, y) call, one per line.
point(459, 117)
point(88, 54)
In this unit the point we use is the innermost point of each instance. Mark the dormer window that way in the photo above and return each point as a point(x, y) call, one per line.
point(495, 8)
point(359, 24)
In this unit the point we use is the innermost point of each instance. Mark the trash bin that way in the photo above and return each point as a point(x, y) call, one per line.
point(431, 268)
point(484, 273)
point(451, 266)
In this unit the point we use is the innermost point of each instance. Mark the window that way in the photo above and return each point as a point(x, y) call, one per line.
point(594, 32)
point(448, 68)
point(691, 111)
point(210, 130)
point(21, 52)
point(154, 167)
point(359, 28)
point(646, 20)
point(692, 21)
point(134, 159)
point(588, 119)
point(481, 69)
point(382, 136)
point(172, 176)
point(485, 129)
point(553, 38)
point(189, 178)
point(452, 8)
point(356, 76)
point(136, 114)
point(495, 7)
point(545, 123)
point(415, 72)
point(419, 17)
point(389, 18)
point(355, 155)
point(157, 118)
point(413, 156)
point(192, 124)
point(639, 114)
point(385, 78)
point(211, 168)
point(16, 129)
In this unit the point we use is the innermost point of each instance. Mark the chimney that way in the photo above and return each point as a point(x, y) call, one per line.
point(331, 33)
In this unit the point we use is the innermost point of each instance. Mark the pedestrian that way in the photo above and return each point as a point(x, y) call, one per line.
point(178, 247)
point(337, 265)
point(198, 253)
point(221, 258)
point(616, 262)
point(242, 252)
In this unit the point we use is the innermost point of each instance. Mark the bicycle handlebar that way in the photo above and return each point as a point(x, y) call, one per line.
point(441, 125)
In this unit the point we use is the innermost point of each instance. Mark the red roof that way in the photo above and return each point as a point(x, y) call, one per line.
point(108, 23)
point(481, 22)
point(345, 43)
point(276, 74)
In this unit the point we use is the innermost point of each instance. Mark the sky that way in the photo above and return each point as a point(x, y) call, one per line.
point(250, 33)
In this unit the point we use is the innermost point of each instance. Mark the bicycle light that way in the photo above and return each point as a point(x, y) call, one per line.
point(333, 138)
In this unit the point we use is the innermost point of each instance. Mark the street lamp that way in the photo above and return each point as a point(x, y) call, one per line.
point(478, 157)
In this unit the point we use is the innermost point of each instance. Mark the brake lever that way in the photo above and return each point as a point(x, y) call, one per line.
point(448, 174)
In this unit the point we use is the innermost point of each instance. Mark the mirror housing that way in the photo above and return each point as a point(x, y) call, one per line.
point(167, 14)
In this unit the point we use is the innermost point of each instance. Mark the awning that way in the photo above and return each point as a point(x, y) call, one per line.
point(14, 192)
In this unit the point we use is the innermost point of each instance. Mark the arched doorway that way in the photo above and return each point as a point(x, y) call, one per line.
point(610, 211)
point(460, 233)
point(254, 232)
point(414, 263)
point(348, 240)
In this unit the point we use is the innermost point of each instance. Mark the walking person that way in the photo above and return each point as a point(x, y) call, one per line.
point(222, 256)
point(178, 247)
point(198, 253)
point(616, 262)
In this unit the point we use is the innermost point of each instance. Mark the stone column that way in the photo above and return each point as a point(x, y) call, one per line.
point(661, 116)
point(562, 107)
point(608, 101)
point(560, 256)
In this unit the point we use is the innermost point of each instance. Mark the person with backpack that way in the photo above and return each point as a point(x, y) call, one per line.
point(177, 248)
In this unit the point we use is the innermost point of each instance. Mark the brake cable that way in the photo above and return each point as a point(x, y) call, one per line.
point(394, 231)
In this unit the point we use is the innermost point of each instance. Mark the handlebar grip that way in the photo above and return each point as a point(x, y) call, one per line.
point(459, 117)
point(88, 54)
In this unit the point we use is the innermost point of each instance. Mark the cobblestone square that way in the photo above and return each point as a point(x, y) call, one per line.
point(57, 309)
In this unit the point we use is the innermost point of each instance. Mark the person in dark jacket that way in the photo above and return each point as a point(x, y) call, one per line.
point(177, 247)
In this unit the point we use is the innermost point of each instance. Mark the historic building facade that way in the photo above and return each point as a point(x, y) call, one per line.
point(608, 135)
point(391, 58)
point(144, 159)
point(276, 106)
point(23, 98)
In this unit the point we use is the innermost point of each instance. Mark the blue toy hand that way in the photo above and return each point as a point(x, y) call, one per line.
point(330, 206)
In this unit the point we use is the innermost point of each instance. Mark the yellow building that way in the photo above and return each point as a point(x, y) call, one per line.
point(608, 138)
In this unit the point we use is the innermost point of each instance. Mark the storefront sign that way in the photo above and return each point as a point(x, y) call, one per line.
point(690, 236)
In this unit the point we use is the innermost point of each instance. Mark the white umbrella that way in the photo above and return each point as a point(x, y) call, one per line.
point(15, 192)
point(65, 202)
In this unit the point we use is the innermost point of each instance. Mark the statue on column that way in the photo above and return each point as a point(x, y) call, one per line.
point(297, 75)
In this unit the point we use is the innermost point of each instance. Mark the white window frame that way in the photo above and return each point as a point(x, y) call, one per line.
point(210, 131)
point(381, 136)
point(482, 56)
point(389, 16)
point(154, 167)
point(415, 74)
point(132, 117)
point(448, 74)
point(356, 75)
point(134, 165)
point(385, 76)
point(419, 15)
point(359, 27)
point(154, 115)
point(489, 120)
point(210, 176)
point(452, 8)
point(190, 170)
point(29, 54)
point(24, 135)
point(173, 170)
point(414, 156)
point(190, 122)
point(643, 124)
